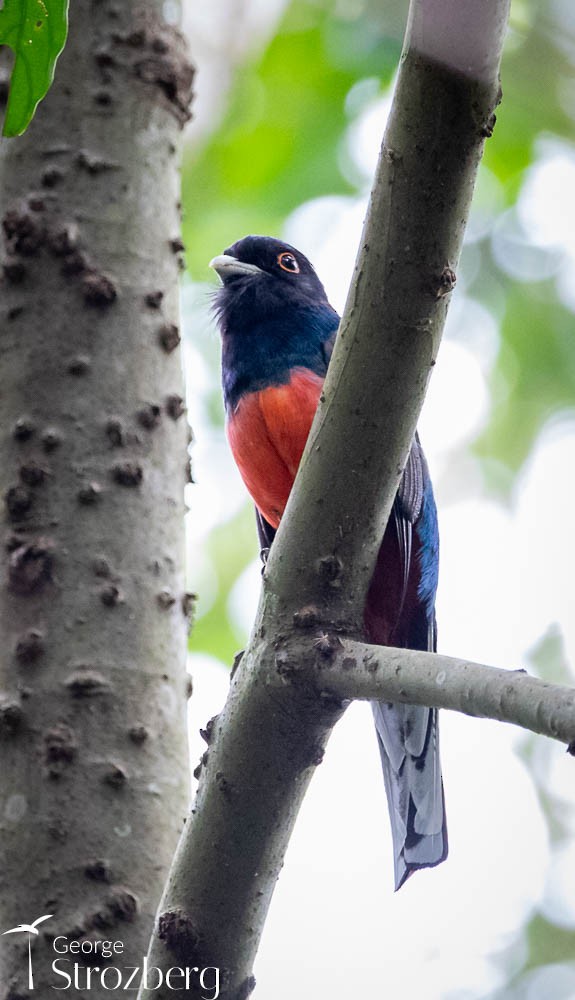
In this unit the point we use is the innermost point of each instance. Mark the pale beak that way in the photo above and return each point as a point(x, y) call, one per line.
point(229, 267)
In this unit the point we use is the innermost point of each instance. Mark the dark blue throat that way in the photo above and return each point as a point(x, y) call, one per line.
point(265, 337)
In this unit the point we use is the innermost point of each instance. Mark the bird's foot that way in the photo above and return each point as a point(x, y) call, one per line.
point(264, 555)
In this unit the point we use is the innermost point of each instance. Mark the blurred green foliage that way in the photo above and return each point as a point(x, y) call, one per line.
point(548, 943)
point(535, 68)
point(230, 547)
point(536, 363)
point(278, 143)
point(535, 375)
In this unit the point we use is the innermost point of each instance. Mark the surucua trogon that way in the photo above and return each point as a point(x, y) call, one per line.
point(278, 331)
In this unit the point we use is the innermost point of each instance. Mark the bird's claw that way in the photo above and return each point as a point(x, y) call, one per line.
point(264, 555)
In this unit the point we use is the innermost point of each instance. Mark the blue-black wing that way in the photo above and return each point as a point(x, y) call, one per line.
point(407, 735)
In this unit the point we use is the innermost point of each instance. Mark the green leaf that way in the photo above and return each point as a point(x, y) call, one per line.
point(36, 31)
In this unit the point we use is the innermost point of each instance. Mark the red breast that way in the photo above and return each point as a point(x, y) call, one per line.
point(267, 432)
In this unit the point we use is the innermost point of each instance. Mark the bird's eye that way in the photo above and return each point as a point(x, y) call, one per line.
point(287, 262)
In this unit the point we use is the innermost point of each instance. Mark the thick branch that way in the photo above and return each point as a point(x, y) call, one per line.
point(442, 111)
point(349, 669)
point(270, 735)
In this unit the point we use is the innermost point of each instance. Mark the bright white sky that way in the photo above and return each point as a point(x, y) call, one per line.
point(506, 578)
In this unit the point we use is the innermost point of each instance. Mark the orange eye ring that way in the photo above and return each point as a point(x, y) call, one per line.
point(288, 263)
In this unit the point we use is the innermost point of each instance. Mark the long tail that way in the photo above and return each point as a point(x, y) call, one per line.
point(408, 739)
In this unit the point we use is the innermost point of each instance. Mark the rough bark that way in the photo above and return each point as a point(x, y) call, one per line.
point(93, 782)
point(265, 745)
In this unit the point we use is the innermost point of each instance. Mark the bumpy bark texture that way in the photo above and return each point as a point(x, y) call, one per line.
point(93, 782)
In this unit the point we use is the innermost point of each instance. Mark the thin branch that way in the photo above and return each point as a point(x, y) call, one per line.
point(347, 669)
point(266, 743)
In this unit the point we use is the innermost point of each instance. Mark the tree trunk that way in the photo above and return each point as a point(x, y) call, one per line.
point(93, 784)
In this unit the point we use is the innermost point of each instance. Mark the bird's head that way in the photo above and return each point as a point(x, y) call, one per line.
point(273, 315)
point(261, 275)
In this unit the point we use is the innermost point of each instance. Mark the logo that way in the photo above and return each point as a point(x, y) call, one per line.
point(69, 968)
point(29, 929)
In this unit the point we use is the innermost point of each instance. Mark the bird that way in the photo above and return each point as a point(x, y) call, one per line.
point(278, 331)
